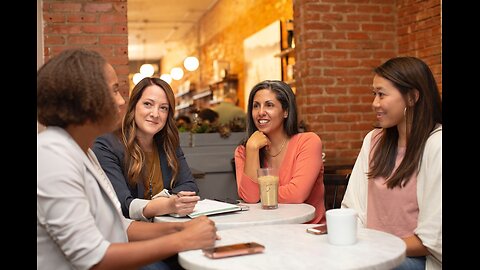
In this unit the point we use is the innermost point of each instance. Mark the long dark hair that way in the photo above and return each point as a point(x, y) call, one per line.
point(167, 138)
point(407, 74)
point(286, 97)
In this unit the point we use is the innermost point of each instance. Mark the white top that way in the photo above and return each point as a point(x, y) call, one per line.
point(289, 246)
point(78, 213)
point(429, 194)
point(284, 214)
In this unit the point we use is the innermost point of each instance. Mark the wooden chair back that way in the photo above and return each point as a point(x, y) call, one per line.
point(335, 187)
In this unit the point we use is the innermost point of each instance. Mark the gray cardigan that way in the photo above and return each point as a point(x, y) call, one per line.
point(110, 153)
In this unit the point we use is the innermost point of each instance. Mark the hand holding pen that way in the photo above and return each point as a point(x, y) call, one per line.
point(184, 202)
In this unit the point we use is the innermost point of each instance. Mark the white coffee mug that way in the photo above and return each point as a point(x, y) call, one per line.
point(342, 226)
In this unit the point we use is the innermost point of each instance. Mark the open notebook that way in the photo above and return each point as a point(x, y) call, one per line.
point(208, 207)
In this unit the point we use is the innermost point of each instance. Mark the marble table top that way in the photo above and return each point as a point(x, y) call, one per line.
point(284, 214)
point(289, 246)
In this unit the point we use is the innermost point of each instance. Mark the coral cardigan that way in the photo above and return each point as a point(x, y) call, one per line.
point(300, 176)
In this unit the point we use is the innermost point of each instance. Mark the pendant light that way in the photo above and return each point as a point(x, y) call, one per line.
point(191, 63)
point(177, 73)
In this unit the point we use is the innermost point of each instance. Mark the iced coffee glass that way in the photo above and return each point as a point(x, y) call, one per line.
point(268, 182)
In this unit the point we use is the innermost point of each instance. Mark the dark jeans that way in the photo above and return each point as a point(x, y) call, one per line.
point(170, 263)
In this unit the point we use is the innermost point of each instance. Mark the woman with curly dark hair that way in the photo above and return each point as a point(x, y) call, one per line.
point(79, 220)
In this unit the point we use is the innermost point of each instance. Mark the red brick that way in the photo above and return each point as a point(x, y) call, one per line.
point(97, 29)
point(122, 39)
point(113, 18)
point(335, 51)
point(54, 18)
point(62, 29)
point(97, 7)
point(120, 29)
point(54, 40)
point(83, 18)
point(81, 39)
point(55, 30)
point(58, 7)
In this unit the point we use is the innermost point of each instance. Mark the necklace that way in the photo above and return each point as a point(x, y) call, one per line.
point(151, 175)
point(281, 149)
point(150, 182)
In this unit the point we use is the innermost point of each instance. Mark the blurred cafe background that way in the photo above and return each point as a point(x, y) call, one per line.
point(324, 49)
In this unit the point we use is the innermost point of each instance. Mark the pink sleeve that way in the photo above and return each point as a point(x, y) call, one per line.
point(247, 189)
point(303, 170)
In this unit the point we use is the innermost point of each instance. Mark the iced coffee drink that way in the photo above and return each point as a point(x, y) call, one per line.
point(268, 183)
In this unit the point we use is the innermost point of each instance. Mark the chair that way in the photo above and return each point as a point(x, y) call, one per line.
point(335, 187)
point(232, 162)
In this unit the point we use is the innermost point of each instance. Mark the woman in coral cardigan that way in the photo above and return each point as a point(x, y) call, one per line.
point(274, 140)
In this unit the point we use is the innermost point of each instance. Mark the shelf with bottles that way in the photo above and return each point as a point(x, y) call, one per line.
point(288, 66)
point(192, 99)
point(228, 83)
point(184, 96)
point(182, 106)
point(181, 94)
point(202, 94)
point(200, 99)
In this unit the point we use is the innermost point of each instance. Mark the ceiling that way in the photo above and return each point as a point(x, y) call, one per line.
point(155, 26)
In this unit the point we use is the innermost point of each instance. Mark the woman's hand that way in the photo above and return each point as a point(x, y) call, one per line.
point(257, 141)
point(199, 233)
point(184, 202)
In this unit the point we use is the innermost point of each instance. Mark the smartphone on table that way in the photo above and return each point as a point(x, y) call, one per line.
point(233, 250)
point(320, 229)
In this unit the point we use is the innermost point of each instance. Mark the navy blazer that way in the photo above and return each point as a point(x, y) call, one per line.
point(110, 153)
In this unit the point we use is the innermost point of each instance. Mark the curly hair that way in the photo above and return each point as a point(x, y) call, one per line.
point(72, 89)
point(167, 138)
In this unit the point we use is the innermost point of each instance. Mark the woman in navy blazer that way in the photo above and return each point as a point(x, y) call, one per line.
point(144, 159)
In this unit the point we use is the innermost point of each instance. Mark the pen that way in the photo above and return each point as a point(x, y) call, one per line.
point(182, 194)
point(179, 194)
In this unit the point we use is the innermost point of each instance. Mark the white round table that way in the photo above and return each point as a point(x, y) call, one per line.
point(284, 214)
point(289, 246)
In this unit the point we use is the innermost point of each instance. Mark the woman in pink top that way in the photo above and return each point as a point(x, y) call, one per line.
point(274, 140)
point(396, 183)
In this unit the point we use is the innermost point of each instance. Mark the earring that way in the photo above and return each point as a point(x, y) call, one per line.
point(405, 112)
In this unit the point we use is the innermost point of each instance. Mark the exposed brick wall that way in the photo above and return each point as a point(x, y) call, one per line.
point(101, 26)
point(338, 43)
point(419, 33)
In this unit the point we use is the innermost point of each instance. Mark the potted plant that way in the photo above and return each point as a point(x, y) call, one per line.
point(203, 133)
